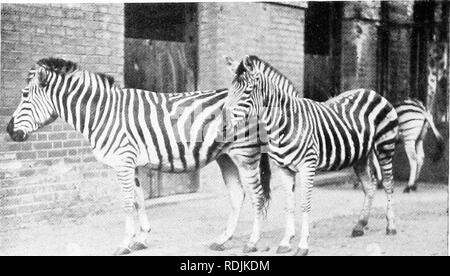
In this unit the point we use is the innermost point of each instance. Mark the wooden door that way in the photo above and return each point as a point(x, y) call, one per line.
point(163, 67)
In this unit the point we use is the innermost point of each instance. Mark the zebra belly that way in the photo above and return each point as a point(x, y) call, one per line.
point(186, 159)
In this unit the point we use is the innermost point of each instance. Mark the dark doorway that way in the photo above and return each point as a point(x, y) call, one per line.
point(322, 50)
point(161, 46)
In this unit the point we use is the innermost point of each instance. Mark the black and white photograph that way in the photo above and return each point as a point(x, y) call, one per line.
point(224, 129)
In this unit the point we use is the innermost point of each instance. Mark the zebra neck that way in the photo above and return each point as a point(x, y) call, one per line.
point(281, 110)
point(83, 100)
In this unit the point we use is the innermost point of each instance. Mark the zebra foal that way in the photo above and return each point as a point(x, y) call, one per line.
point(128, 128)
point(306, 136)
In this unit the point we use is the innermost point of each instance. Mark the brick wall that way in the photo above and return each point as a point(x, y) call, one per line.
point(54, 173)
point(274, 32)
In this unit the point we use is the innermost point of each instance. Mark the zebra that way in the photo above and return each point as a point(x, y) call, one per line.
point(305, 136)
point(414, 121)
point(129, 128)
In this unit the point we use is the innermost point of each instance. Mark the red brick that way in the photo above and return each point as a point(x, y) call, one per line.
point(42, 137)
point(84, 151)
point(57, 145)
point(42, 154)
point(57, 153)
point(57, 136)
point(72, 144)
point(14, 147)
point(27, 173)
point(89, 159)
point(26, 146)
point(68, 127)
point(44, 145)
point(26, 155)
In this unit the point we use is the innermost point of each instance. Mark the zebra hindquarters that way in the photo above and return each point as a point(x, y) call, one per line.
point(386, 137)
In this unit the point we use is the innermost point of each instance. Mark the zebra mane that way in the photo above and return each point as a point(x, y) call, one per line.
point(62, 67)
point(266, 69)
point(58, 65)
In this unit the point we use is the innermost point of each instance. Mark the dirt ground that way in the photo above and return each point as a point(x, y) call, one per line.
point(188, 227)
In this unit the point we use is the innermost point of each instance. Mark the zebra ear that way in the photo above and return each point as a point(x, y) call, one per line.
point(42, 75)
point(248, 64)
point(231, 64)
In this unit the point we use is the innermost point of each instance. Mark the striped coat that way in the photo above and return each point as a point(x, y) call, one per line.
point(128, 128)
point(306, 136)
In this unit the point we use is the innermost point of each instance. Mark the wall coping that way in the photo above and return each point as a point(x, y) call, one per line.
point(292, 4)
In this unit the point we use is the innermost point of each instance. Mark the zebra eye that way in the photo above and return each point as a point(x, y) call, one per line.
point(26, 94)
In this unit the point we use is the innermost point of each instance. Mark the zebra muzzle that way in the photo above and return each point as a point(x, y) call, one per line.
point(17, 136)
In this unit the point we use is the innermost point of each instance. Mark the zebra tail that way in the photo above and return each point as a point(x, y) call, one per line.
point(265, 175)
point(440, 146)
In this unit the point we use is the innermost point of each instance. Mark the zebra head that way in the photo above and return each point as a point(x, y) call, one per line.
point(35, 108)
point(242, 97)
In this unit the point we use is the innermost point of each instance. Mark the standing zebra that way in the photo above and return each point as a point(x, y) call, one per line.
point(128, 128)
point(414, 121)
point(305, 136)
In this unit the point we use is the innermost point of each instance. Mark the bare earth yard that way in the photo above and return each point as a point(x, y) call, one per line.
point(187, 227)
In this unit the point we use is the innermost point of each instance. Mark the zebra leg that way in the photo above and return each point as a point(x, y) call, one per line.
point(362, 170)
point(420, 158)
point(139, 242)
point(230, 175)
point(126, 178)
point(410, 148)
point(388, 183)
point(377, 171)
point(287, 177)
point(307, 179)
point(250, 177)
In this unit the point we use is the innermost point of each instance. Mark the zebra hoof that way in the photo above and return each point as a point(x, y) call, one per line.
point(283, 249)
point(122, 251)
point(250, 249)
point(414, 188)
point(301, 252)
point(217, 247)
point(380, 186)
point(136, 246)
point(391, 232)
point(407, 190)
point(357, 233)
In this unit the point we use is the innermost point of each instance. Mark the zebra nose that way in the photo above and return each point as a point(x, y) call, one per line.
point(17, 136)
point(10, 127)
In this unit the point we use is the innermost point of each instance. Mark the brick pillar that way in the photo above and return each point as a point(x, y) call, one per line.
point(359, 45)
point(274, 32)
point(398, 22)
point(438, 50)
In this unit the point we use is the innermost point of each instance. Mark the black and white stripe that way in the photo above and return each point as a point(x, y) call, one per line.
point(414, 121)
point(306, 136)
point(131, 127)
